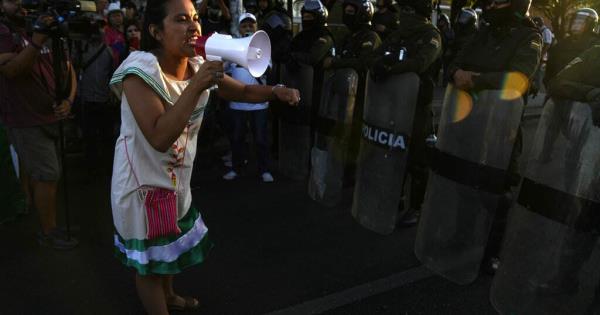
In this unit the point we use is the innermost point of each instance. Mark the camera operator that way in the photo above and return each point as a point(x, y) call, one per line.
point(29, 110)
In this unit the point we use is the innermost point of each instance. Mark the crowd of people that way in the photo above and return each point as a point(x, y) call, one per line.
point(138, 93)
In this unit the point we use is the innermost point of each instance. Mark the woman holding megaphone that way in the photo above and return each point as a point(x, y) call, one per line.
point(163, 89)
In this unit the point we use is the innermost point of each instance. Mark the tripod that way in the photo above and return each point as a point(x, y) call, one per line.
point(62, 78)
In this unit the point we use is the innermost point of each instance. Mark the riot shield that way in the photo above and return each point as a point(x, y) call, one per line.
point(294, 123)
point(382, 159)
point(332, 136)
point(550, 258)
point(475, 141)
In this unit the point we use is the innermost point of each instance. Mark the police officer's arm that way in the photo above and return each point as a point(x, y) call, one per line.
point(317, 52)
point(569, 84)
point(459, 60)
point(422, 59)
point(366, 50)
point(525, 61)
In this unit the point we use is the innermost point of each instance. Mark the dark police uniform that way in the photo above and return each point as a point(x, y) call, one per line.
point(356, 49)
point(423, 46)
point(389, 19)
point(566, 50)
point(311, 47)
point(495, 51)
point(580, 79)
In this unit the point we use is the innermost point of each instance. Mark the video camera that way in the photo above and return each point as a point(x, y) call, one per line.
point(71, 17)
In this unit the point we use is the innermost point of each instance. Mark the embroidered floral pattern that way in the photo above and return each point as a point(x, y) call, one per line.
point(177, 154)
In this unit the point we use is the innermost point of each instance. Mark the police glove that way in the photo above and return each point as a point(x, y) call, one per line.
point(593, 95)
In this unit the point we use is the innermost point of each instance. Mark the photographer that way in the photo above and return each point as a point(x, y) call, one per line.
point(30, 112)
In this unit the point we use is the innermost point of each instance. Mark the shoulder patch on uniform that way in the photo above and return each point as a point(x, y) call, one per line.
point(367, 44)
point(535, 44)
point(435, 42)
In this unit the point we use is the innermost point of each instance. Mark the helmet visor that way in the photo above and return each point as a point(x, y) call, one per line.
point(578, 24)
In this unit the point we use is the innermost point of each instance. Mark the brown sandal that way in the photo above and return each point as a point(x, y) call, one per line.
point(190, 304)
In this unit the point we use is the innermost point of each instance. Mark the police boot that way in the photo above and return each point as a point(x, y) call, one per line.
point(410, 218)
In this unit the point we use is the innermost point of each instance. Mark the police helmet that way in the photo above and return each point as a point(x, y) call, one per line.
point(317, 9)
point(586, 17)
point(251, 5)
point(421, 7)
point(538, 21)
point(364, 10)
point(467, 17)
point(444, 18)
point(278, 20)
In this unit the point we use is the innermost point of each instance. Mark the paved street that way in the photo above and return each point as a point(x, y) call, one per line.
point(276, 251)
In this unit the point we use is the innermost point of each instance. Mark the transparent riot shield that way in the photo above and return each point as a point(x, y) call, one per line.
point(294, 124)
point(550, 260)
point(475, 141)
point(333, 128)
point(382, 160)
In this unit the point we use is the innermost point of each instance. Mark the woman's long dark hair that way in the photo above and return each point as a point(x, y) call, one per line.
point(156, 11)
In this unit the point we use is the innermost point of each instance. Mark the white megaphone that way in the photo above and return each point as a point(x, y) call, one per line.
point(252, 52)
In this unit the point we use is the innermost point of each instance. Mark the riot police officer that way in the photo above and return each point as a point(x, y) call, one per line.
point(251, 6)
point(413, 47)
point(385, 20)
point(507, 48)
point(465, 29)
point(362, 42)
point(555, 227)
point(278, 26)
point(578, 81)
point(267, 8)
point(314, 42)
point(356, 48)
point(581, 36)
point(447, 32)
point(312, 45)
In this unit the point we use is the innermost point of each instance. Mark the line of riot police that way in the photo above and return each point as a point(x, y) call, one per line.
point(365, 121)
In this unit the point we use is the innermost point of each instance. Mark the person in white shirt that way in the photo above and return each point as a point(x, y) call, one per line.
point(547, 41)
point(255, 115)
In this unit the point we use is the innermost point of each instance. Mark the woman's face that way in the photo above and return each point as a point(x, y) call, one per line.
point(180, 30)
point(133, 32)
